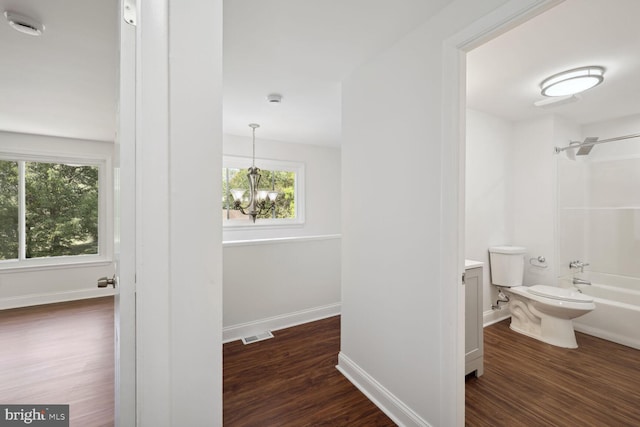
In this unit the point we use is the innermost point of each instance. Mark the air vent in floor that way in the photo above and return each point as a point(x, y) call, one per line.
point(258, 337)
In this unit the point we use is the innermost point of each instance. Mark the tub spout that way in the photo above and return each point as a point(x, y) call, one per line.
point(577, 281)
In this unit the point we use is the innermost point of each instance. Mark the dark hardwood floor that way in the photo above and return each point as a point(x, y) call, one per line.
point(529, 383)
point(60, 354)
point(63, 353)
point(291, 380)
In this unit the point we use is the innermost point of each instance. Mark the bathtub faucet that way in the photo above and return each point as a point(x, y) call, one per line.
point(577, 281)
point(578, 264)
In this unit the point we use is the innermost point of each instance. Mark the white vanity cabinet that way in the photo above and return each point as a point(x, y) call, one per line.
point(473, 318)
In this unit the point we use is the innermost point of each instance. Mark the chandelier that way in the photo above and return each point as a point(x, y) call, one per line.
point(260, 201)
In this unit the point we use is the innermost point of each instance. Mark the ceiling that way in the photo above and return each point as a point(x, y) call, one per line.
point(302, 50)
point(504, 75)
point(64, 82)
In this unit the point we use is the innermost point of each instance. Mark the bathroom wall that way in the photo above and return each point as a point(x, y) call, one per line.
point(564, 207)
point(534, 183)
point(488, 191)
point(511, 191)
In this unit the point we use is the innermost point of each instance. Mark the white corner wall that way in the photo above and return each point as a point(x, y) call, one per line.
point(535, 191)
point(20, 287)
point(396, 337)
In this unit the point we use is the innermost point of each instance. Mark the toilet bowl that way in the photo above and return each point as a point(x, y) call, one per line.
point(540, 311)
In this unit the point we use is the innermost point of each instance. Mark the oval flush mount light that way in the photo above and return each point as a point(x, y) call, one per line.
point(572, 81)
point(24, 24)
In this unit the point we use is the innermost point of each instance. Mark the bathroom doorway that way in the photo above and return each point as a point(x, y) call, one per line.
point(511, 174)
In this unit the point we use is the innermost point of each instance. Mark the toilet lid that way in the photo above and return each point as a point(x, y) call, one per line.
point(559, 293)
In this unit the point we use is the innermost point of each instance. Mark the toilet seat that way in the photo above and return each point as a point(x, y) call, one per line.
point(552, 301)
point(563, 294)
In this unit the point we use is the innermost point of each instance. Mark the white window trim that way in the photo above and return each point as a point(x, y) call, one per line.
point(244, 163)
point(105, 202)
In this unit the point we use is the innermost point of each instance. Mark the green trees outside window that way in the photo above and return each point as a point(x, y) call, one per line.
point(9, 239)
point(60, 209)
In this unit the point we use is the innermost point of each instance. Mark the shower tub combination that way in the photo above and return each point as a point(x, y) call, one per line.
point(617, 314)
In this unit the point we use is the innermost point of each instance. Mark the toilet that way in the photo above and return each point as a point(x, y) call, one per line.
point(539, 311)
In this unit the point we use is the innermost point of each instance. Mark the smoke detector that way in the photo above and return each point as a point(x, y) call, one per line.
point(24, 24)
point(274, 98)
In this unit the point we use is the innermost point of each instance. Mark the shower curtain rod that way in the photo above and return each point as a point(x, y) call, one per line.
point(578, 144)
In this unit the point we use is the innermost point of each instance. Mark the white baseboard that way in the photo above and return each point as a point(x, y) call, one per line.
point(606, 335)
point(395, 409)
point(490, 317)
point(236, 332)
point(50, 298)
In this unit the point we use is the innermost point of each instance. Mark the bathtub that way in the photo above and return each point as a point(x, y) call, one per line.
point(617, 314)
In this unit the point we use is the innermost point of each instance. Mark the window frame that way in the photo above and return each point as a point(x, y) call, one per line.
point(243, 163)
point(105, 201)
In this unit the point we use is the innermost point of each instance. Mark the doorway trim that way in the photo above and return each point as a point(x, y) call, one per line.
point(452, 240)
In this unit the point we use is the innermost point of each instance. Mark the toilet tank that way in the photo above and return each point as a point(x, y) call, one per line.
point(507, 265)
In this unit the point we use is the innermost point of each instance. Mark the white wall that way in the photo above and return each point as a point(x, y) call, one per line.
point(488, 191)
point(534, 195)
point(280, 283)
point(322, 185)
point(40, 285)
point(395, 333)
point(178, 222)
point(535, 192)
point(294, 273)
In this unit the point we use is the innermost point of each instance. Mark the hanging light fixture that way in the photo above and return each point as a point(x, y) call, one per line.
point(572, 81)
point(260, 201)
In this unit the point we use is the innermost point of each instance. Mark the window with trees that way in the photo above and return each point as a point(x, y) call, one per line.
point(48, 210)
point(283, 177)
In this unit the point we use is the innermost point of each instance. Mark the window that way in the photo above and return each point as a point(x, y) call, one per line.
point(286, 178)
point(49, 210)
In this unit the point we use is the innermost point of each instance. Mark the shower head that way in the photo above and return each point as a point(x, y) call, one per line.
point(586, 146)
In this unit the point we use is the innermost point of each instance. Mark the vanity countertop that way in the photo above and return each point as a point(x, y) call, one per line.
point(469, 263)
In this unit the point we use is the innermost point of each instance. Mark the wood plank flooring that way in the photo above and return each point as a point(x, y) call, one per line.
point(60, 354)
point(63, 353)
point(529, 383)
point(291, 380)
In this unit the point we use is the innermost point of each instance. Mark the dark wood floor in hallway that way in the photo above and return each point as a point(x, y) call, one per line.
point(60, 354)
point(63, 353)
point(291, 380)
point(529, 383)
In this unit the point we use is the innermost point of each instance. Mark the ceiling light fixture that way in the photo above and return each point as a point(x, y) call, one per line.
point(572, 81)
point(24, 24)
point(257, 203)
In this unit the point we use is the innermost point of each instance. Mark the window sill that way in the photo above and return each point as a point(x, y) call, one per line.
point(263, 225)
point(252, 242)
point(15, 266)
